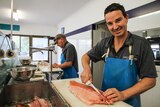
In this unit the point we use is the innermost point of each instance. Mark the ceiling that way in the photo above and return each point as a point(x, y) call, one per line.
point(40, 12)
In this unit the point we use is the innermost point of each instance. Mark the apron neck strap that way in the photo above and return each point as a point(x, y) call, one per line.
point(130, 52)
point(130, 49)
point(106, 54)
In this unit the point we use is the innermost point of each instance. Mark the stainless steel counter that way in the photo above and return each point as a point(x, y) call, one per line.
point(25, 92)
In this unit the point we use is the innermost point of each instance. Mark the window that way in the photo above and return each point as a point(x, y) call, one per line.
point(23, 43)
point(40, 43)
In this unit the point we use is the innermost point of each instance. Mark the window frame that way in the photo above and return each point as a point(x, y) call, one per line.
point(31, 42)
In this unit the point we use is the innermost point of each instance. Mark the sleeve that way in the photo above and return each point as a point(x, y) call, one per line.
point(97, 51)
point(147, 65)
point(70, 53)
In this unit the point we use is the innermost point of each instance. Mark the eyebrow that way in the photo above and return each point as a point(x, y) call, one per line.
point(118, 19)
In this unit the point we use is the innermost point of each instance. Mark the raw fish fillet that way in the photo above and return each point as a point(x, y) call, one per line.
point(85, 93)
point(39, 102)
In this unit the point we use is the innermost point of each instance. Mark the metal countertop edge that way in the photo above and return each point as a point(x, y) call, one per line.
point(60, 95)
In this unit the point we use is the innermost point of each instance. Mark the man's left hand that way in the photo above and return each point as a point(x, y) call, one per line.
point(113, 95)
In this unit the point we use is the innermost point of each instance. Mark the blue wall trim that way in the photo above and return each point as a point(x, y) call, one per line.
point(147, 8)
point(86, 28)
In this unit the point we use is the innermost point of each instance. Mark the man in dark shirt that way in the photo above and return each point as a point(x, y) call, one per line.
point(129, 68)
point(69, 62)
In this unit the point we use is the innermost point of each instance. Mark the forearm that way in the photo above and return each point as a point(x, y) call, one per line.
point(85, 61)
point(140, 87)
point(86, 74)
point(65, 64)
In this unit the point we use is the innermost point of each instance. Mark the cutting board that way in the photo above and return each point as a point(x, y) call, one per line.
point(62, 87)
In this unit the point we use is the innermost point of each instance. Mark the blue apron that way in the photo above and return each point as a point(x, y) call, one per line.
point(121, 74)
point(69, 72)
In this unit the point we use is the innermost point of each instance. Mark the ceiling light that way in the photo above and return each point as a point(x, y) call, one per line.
point(15, 15)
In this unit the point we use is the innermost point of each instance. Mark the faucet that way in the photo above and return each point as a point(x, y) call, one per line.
point(38, 50)
point(49, 48)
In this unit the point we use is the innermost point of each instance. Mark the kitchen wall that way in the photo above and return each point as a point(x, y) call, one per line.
point(148, 22)
point(28, 29)
point(93, 11)
point(155, 32)
point(151, 97)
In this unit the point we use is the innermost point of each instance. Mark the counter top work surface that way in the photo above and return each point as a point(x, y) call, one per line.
point(158, 68)
point(62, 88)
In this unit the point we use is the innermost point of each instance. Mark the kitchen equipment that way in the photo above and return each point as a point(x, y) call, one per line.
point(10, 53)
point(25, 92)
point(2, 53)
point(22, 73)
point(25, 61)
point(7, 62)
point(49, 49)
point(155, 45)
point(56, 73)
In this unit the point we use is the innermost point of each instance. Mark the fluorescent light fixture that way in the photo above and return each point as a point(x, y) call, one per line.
point(149, 14)
point(15, 15)
point(147, 37)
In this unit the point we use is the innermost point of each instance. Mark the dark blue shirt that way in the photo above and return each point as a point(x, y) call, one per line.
point(141, 50)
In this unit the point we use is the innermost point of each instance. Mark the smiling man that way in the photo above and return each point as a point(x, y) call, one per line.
point(129, 69)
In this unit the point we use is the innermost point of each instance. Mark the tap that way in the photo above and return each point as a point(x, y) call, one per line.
point(36, 50)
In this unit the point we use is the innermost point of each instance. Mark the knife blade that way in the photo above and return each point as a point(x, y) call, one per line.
point(89, 83)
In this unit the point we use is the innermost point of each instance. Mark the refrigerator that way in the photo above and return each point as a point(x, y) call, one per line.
point(99, 33)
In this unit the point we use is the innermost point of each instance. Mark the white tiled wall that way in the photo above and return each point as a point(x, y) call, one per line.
point(82, 43)
point(151, 97)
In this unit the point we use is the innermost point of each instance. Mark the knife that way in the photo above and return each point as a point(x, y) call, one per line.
point(89, 83)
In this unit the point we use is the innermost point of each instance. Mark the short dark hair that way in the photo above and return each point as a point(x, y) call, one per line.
point(113, 7)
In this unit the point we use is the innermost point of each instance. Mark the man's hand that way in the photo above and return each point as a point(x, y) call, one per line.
point(86, 76)
point(55, 65)
point(113, 95)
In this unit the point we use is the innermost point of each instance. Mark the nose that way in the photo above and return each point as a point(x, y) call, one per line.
point(115, 26)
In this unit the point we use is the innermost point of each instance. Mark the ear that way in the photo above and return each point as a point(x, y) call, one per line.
point(127, 16)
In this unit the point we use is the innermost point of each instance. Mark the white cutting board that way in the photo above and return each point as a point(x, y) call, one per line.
point(62, 87)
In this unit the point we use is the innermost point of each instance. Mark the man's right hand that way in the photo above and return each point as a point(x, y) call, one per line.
point(86, 76)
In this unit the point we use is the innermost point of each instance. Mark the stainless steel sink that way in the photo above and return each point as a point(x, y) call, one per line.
point(25, 92)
